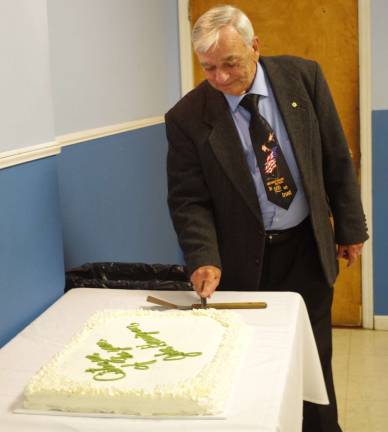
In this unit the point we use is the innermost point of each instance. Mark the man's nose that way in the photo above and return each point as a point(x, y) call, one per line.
point(221, 76)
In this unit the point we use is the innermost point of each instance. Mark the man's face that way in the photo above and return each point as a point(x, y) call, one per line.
point(230, 66)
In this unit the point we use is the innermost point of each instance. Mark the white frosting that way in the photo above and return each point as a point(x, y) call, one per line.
point(194, 385)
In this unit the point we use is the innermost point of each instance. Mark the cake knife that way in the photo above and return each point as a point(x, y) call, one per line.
point(203, 299)
point(232, 305)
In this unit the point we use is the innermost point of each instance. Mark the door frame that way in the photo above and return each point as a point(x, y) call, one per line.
point(365, 81)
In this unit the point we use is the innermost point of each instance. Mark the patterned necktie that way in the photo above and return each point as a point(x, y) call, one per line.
point(278, 182)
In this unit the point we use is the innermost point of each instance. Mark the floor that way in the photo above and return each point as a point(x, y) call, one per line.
point(360, 364)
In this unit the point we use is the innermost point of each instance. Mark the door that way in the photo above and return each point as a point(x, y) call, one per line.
point(325, 31)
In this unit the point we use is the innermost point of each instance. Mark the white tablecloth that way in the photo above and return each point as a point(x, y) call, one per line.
point(280, 370)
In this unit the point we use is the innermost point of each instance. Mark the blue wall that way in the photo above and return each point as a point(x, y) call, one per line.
point(31, 249)
point(113, 199)
point(380, 210)
point(102, 200)
point(379, 85)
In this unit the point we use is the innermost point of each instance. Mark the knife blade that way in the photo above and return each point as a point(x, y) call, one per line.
point(203, 299)
point(232, 305)
point(164, 303)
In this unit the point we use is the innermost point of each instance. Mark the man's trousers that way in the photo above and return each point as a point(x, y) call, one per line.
point(291, 263)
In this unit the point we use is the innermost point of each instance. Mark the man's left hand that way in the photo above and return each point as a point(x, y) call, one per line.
point(350, 252)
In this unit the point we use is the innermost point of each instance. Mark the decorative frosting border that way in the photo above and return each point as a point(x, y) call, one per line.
point(208, 389)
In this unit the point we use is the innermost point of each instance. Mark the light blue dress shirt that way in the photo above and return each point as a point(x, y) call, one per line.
point(274, 217)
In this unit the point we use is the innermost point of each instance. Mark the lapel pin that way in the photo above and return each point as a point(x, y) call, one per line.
point(294, 104)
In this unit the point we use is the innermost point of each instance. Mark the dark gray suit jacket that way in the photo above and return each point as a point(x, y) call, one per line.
point(212, 197)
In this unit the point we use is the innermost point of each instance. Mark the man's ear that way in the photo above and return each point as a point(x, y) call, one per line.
point(255, 46)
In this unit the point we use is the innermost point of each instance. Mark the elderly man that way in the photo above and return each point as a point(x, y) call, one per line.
point(257, 162)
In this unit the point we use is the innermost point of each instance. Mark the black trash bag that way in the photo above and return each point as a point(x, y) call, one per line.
point(129, 276)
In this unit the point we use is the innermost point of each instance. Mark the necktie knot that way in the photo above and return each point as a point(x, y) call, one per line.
point(250, 103)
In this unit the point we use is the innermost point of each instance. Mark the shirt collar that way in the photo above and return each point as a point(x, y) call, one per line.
point(259, 86)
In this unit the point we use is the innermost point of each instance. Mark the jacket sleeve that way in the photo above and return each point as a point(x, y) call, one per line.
point(189, 200)
point(339, 175)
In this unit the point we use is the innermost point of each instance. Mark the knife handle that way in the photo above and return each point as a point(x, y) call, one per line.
point(239, 305)
point(161, 302)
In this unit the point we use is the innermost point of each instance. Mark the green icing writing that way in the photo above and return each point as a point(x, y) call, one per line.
point(107, 371)
point(142, 365)
point(151, 341)
point(111, 369)
point(170, 353)
point(103, 344)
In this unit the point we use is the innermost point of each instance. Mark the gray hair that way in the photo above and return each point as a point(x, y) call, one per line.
point(206, 30)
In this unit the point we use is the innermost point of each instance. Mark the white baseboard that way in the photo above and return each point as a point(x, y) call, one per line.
point(381, 322)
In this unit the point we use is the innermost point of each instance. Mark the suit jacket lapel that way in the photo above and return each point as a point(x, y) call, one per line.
point(293, 106)
point(226, 145)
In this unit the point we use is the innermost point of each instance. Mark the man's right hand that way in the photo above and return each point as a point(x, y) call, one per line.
point(211, 275)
